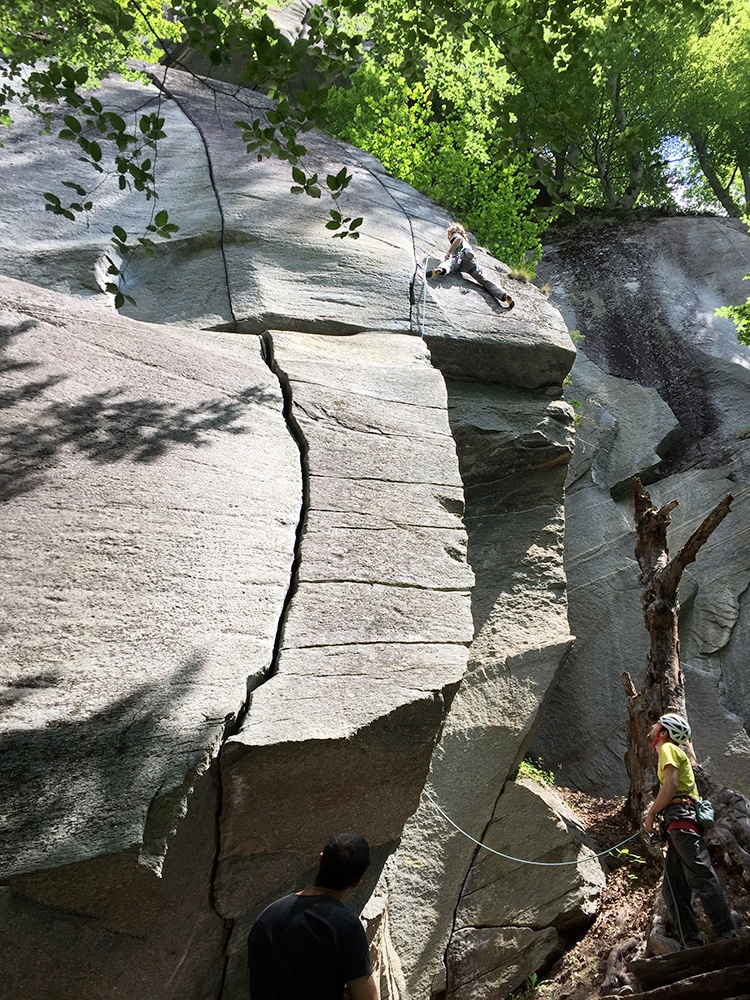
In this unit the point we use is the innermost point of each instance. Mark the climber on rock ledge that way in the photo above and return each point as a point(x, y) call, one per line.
point(460, 257)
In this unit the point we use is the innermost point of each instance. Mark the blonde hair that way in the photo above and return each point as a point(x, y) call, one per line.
point(456, 229)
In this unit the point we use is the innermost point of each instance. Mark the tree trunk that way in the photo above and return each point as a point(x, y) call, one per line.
point(633, 155)
point(664, 690)
point(722, 193)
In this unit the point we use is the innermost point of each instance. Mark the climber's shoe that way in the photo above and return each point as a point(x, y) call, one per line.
point(434, 272)
point(509, 303)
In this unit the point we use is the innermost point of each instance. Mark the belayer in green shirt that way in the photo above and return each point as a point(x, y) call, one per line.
point(687, 868)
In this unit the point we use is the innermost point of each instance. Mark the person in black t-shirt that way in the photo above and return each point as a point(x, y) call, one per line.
point(309, 945)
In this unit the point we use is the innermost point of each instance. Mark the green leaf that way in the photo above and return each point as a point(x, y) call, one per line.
point(116, 122)
point(73, 124)
point(161, 217)
point(120, 233)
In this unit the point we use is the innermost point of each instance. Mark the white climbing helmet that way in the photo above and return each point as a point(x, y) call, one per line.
point(676, 726)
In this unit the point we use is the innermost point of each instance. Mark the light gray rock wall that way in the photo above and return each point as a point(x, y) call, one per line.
point(375, 638)
point(662, 391)
point(513, 918)
point(513, 450)
point(283, 507)
point(151, 495)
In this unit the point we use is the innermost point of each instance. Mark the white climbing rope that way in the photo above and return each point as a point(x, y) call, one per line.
point(524, 861)
point(420, 272)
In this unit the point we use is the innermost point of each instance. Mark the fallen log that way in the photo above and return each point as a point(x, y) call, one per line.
point(721, 984)
point(666, 969)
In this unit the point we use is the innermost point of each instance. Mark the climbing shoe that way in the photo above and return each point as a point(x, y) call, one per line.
point(507, 300)
point(434, 272)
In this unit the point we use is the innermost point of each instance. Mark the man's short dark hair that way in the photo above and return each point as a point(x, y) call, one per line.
point(346, 858)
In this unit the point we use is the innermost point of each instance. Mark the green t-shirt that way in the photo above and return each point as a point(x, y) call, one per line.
point(670, 753)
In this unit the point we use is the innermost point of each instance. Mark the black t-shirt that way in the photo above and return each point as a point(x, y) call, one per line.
point(306, 948)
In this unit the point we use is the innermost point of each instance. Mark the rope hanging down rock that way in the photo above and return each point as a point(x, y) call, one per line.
point(523, 861)
point(420, 266)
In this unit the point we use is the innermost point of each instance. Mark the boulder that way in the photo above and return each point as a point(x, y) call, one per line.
point(623, 429)
point(238, 566)
point(374, 640)
point(515, 523)
point(151, 496)
point(513, 918)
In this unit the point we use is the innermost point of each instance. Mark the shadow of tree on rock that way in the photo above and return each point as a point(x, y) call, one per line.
point(105, 426)
point(75, 788)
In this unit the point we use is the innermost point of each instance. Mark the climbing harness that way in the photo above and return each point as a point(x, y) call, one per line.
point(418, 278)
point(524, 861)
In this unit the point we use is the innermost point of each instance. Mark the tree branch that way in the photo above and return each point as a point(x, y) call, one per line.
point(670, 575)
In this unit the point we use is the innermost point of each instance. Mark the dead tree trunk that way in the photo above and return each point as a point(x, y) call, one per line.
point(664, 690)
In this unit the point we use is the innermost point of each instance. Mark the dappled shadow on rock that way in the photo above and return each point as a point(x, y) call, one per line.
point(105, 426)
point(71, 789)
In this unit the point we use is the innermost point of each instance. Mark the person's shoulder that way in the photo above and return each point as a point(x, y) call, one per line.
point(279, 906)
point(670, 753)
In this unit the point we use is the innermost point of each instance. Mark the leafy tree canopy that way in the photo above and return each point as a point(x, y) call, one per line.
point(507, 111)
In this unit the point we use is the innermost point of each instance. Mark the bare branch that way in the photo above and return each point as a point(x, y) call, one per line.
point(672, 572)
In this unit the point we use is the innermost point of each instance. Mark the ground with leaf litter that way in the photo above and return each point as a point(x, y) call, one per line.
point(633, 880)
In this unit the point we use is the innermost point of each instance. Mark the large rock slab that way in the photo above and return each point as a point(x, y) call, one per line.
point(151, 496)
point(369, 643)
point(234, 265)
point(644, 297)
point(151, 493)
point(375, 640)
point(513, 451)
point(511, 915)
point(623, 429)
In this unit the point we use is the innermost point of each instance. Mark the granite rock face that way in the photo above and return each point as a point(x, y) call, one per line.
point(244, 529)
point(514, 520)
point(662, 389)
point(151, 496)
point(514, 917)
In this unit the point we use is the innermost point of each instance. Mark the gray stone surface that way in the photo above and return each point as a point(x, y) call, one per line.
point(623, 428)
point(375, 638)
point(235, 264)
point(107, 927)
point(151, 493)
point(644, 299)
point(474, 977)
point(515, 523)
point(154, 470)
point(491, 950)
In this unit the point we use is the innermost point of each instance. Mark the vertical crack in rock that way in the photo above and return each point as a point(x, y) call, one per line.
point(301, 441)
point(400, 207)
point(160, 85)
point(234, 724)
